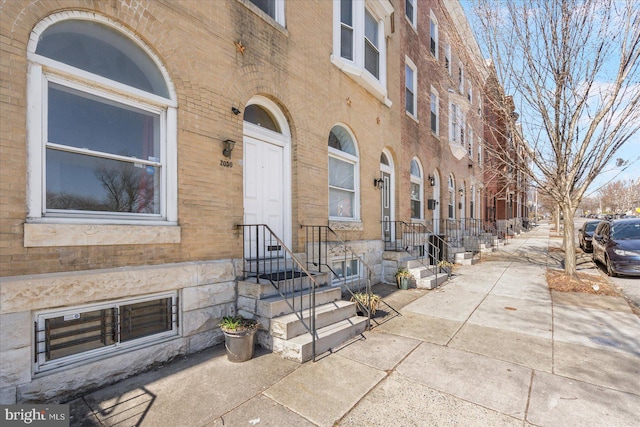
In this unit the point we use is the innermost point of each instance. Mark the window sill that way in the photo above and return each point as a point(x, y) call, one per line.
point(413, 117)
point(354, 225)
point(458, 151)
point(46, 235)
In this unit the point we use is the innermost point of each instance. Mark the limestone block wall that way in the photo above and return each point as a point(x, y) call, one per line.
point(206, 292)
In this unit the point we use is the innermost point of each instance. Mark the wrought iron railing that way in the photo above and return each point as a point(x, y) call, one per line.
point(419, 241)
point(324, 249)
point(266, 257)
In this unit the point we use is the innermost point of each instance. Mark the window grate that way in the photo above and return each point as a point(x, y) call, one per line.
point(68, 334)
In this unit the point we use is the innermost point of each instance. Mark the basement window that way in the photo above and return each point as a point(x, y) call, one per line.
point(65, 337)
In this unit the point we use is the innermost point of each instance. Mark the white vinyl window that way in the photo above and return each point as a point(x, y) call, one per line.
point(435, 112)
point(433, 35)
point(410, 8)
point(343, 175)
point(416, 190)
point(72, 335)
point(346, 269)
point(469, 92)
point(460, 78)
point(480, 152)
point(411, 83)
point(359, 47)
point(456, 124)
point(102, 143)
point(470, 143)
point(273, 8)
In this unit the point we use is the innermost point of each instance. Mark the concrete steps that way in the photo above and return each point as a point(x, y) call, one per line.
point(290, 325)
point(300, 348)
point(466, 258)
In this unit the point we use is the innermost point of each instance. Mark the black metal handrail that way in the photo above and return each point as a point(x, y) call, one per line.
point(266, 257)
point(419, 241)
point(320, 241)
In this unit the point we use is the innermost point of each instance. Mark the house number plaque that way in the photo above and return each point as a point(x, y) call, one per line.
point(226, 163)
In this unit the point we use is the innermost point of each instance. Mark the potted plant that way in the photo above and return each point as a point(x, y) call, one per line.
point(446, 266)
point(239, 337)
point(402, 278)
point(367, 302)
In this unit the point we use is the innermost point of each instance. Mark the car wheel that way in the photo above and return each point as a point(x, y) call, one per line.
point(610, 271)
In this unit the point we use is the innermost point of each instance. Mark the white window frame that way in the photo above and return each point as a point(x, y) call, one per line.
point(419, 181)
point(380, 10)
point(42, 365)
point(72, 229)
point(480, 152)
point(414, 16)
point(461, 78)
point(433, 34)
point(470, 142)
point(434, 99)
point(354, 161)
point(414, 83)
point(343, 261)
point(279, 11)
point(457, 123)
point(469, 91)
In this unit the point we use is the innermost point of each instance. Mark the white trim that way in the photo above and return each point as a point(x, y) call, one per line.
point(390, 169)
point(348, 158)
point(414, 71)
point(41, 72)
point(434, 92)
point(355, 68)
point(413, 179)
point(413, 20)
point(282, 139)
point(434, 20)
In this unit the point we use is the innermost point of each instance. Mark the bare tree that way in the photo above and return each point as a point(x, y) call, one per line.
point(572, 67)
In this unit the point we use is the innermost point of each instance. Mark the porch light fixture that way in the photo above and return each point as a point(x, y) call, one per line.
point(378, 182)
point(432, 181)
point(461, 192)
point(235, 110)
point(228, 147)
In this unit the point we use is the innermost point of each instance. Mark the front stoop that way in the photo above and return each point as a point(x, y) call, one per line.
point(300, 348)
point(285, 333)
point(465, 258)
point(424, 278)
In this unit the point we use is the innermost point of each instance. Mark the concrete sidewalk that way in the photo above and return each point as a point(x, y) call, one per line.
point(492, 347)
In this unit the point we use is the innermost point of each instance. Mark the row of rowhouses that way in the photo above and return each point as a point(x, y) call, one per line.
point(154, 152)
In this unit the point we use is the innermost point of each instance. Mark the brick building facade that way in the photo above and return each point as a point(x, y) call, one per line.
point(137, 135)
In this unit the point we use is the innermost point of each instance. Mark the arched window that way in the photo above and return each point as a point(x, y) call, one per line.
point(343, 177)
point(452, 197)
point(102, 144)
point(416, 190)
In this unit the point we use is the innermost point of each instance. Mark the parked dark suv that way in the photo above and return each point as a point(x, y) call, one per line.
point(616, 244)
point(585, 234)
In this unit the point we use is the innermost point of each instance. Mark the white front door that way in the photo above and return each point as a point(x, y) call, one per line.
point(264, 195)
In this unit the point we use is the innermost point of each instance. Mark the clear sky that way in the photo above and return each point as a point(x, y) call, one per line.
point(630, 152)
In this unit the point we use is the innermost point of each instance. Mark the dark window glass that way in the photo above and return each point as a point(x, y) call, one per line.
point(145, 318)
point(267, 6)
point(371, 52)
point(259, 116)
point(77, 333)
